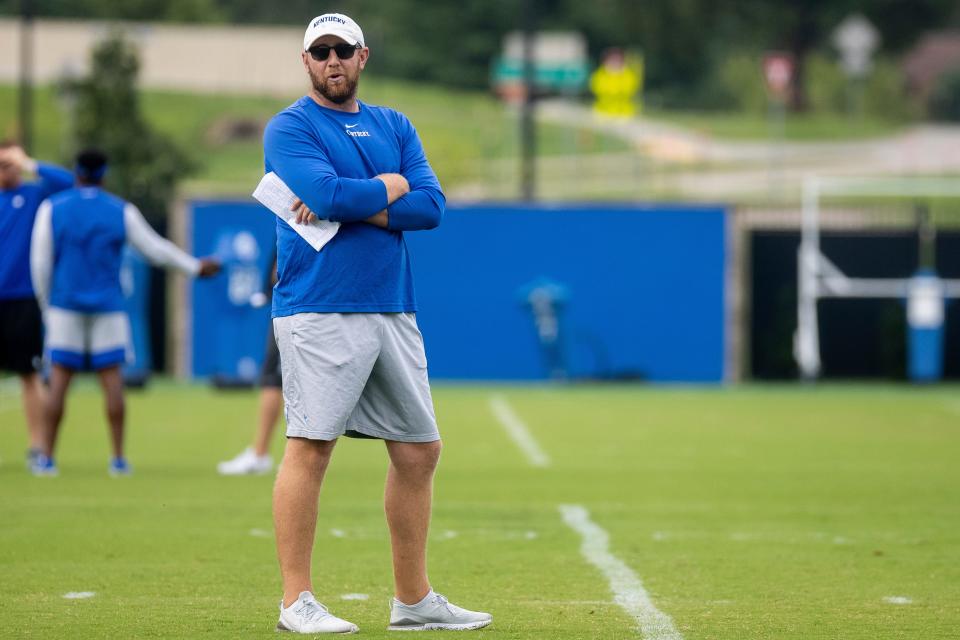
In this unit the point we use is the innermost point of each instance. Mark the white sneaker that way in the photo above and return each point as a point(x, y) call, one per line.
point(306, 615)
point(435, 612)
point(247, 462)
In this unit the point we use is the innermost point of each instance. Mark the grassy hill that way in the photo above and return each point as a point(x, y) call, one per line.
point(463, 132)
point(471, 138)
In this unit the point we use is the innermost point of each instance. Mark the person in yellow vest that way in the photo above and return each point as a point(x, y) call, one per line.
point(615, 83)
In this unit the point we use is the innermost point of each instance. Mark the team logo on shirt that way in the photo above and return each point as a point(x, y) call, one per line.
point(348, 128)
point(17, 201)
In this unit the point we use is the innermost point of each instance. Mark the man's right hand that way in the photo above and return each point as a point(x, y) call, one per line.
point(209, 267)
point(10, 159)
point(397, 186)
point(18, 158)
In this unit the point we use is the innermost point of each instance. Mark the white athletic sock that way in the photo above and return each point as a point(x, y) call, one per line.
point(425, 600)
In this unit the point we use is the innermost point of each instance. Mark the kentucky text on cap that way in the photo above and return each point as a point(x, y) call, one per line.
point(333, 24)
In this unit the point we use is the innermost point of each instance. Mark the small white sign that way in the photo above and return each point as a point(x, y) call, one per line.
point(856, 39)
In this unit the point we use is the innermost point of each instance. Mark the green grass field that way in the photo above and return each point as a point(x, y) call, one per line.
point(748, 512)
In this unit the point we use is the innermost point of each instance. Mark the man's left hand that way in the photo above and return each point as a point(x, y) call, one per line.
point(304, 215)
point(209, 267)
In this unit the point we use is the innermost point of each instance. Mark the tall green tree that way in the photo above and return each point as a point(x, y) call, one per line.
point(144, 165)
point(806, 26)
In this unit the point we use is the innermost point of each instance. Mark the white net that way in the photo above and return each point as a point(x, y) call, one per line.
point(864, 204)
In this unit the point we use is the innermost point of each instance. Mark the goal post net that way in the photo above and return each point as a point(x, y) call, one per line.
point(866, 203)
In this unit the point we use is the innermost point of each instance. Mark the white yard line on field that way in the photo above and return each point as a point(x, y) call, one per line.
point(628, 591)
point(518, 432)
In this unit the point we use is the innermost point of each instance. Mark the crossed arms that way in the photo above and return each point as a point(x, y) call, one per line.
point(397, 187)
point(405, 201)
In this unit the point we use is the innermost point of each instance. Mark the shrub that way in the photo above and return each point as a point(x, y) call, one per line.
point(739, 82)
point(944, 103)
point(885, 95)
point(826, 85)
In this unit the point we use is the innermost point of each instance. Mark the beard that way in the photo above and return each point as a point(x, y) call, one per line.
point(336, 93)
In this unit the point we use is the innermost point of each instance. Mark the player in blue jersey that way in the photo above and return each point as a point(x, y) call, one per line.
point(352, 357)
point(21, 331)
point(75, 257)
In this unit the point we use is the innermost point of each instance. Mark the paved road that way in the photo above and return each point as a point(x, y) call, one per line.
point(702, 167)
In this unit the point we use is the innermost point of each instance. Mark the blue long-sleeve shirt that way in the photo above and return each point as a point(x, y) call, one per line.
point(18, 208)
point(329, 159)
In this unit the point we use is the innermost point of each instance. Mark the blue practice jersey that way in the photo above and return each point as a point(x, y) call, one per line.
point(88, 238)
point(329, 159)
point(18, 208)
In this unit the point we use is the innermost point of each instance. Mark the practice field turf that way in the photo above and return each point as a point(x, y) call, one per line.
point(753, 512)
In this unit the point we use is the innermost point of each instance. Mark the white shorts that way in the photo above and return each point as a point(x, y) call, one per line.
point(86, 340)
point(355, 374)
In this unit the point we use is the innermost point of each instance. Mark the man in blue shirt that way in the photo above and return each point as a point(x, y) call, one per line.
point(351, 355)
point(21, 333)
point(75, 256)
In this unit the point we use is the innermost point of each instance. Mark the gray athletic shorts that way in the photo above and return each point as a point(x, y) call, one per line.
point(355, 374)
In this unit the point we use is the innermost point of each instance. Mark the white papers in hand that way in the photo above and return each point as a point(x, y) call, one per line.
point(276, 196)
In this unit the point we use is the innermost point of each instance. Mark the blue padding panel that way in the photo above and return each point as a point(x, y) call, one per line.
point(645, 289)
point(135, 281)
point(228, 332)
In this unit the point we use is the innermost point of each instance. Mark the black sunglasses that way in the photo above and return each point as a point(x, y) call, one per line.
point(344, 51)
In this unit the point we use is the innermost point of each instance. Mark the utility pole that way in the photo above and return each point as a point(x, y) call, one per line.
point(26, 76)
point(528, 132)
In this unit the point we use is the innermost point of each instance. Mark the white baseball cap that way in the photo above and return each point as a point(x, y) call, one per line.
point(333, 24)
